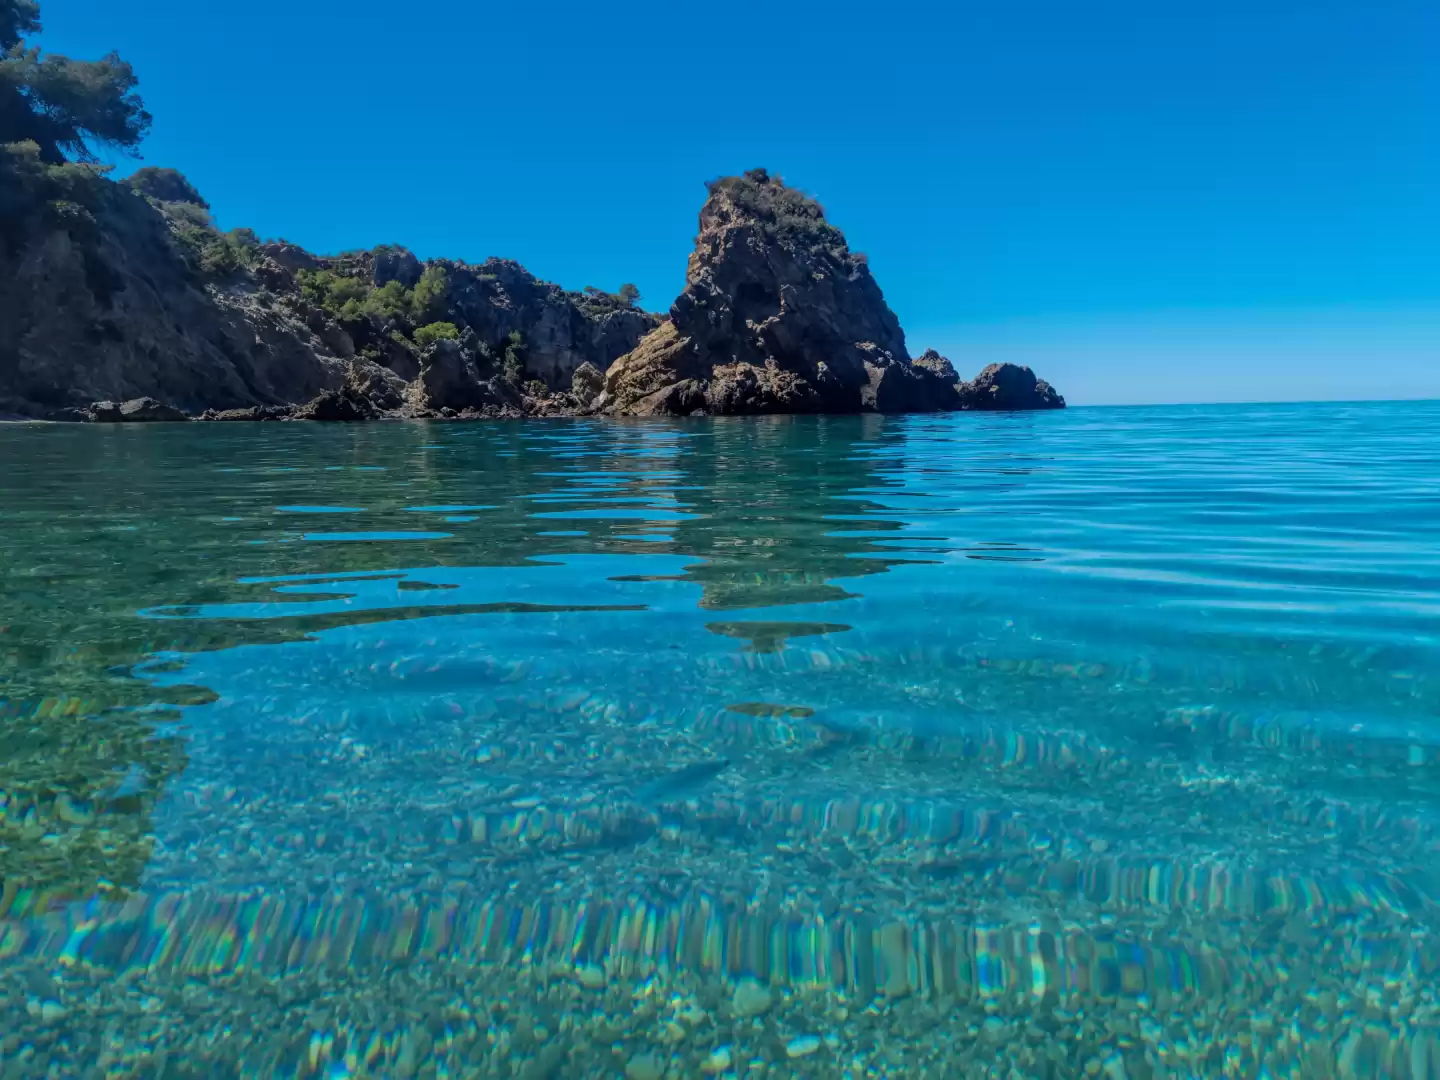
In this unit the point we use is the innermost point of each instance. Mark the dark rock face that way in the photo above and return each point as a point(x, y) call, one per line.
point(937, 365)
point(778, 315)
point(111, 304)
point(369, 393)
point(396, 264)
point(134, 295)
point(450, 380)
point(1008, 387)
point(335, 406)
point(500, 297)
point(291, 257)
point(587, 383)
point(104, 307)
point(253, 414)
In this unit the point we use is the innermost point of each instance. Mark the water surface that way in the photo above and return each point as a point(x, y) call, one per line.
point(1095, 743)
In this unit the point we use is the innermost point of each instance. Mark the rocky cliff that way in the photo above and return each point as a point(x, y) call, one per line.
point(126, 292)
point(110, 292)
point(97, 301)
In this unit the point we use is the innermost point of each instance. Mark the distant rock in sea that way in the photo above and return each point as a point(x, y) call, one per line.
point(1008, 387)
point(132, 296)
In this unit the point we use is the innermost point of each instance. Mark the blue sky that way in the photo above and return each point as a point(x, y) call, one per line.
point(1146, 202)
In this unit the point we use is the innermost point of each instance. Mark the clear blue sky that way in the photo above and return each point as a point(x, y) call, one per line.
point(1145, 201)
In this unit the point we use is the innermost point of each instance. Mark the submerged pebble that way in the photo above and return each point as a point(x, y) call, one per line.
point(802, 1046)
point(751, 999)
point(645, 1066)
point(590, 976)
point(718, 1061)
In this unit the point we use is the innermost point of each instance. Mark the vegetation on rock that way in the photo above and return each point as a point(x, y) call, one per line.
point(785, 214)
point(165, 185)
point(427, 335)
point(597, 302)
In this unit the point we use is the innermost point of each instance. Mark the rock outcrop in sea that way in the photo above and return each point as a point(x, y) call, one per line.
point(778, 316)
point(127, 293)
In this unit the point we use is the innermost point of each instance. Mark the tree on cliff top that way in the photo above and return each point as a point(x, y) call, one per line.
point(64, 106)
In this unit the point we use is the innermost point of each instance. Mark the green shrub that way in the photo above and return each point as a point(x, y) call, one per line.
point(390, 301)
point(784, 213)
point(212, 253)
point(231, 251)
point(425, 336)
point(428, 298)
point(331, 291)
point(512, 363)
point(33, 191)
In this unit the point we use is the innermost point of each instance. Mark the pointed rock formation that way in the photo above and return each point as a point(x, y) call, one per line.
point(778, 315)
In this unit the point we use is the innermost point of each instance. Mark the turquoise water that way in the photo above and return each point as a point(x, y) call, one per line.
point(1099, 743)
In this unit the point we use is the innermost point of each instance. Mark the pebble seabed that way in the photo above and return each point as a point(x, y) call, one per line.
point(750, 926)
point(196, 984)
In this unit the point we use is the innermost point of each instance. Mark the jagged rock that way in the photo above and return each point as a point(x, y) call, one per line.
point(274, 276)
point(616, 333)
point(130, 295)
point(369, 392)
point(500, 297)
point(107, 307)
point(396, 264)
point(1002, 387)
point(587, 383)
point(894, 387)
point(937, 365)
point(380, 386)
point(778, 315)
point(147, 410)
point(334, 337)
point(255, 413)
point(449, 379)
point(290, 256)
point(104, 412)
point(336, 406)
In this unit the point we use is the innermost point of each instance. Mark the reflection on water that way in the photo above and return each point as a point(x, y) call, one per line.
point(1101, 743)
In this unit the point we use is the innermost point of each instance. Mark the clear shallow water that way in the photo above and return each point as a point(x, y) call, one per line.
point(1099, 743)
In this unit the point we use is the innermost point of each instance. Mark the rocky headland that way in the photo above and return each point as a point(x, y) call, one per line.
point(778, 315)
point(131, 306)
point(121, 301)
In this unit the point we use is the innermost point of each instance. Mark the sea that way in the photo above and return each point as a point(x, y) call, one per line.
point(1096, 743)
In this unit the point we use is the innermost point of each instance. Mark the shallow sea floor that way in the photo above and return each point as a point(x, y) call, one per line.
point(1104, 743)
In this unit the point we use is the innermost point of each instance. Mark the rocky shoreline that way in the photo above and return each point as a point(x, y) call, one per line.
point(135, 308)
